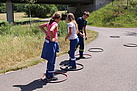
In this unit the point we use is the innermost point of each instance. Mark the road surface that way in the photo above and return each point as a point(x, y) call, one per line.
point(114, 69)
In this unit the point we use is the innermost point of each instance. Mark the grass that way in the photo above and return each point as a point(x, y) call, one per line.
point(21, 45)
point(115, 15)
point(20, 16)
point(17, 16)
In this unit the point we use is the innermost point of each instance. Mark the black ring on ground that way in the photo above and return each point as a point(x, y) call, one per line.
point(57, 81)
point(96, 50)
point(130, 45)
point(88, 56)
point(114, 36)
point(72, 69)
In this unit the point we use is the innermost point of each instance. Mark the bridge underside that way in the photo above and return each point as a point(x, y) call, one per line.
point(75, 6)
point(68, 2)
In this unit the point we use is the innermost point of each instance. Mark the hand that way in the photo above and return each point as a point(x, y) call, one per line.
point(53, 40)
point(81, 34)
point(65, 39)
point(86, 37)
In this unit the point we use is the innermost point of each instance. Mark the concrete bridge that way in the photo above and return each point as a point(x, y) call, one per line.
point(75, 6)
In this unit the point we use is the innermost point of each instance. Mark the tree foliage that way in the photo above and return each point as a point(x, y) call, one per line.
point(2, 8)
point(61, 7)
point(19, 7)
point(37, 10)
point(30, 1)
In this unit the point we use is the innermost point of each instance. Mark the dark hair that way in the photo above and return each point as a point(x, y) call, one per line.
point(86, 13)
point(55, 16)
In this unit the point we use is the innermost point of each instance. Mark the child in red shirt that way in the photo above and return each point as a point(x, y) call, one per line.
point(50, 46)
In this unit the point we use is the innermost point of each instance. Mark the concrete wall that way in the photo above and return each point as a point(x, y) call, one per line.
point(79, 9)
point(100, 3)
point(97, 4)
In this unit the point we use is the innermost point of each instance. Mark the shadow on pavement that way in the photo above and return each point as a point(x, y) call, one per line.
point(65, 62)
point(32, 85)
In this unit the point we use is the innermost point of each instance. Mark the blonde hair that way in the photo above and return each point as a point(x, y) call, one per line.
point(55, 16)
point(71, 18)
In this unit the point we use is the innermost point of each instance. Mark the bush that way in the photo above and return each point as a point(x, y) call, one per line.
point(62, 28)
point(38, 10)
point(19, 7)
point(4, 28)
point(2, 8)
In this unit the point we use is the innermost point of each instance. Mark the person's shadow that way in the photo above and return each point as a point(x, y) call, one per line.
point(32, 85)
point(36, 84)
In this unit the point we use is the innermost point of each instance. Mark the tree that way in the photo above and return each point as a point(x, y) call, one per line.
point(29, 3)
point(19, 7)
point(61, 7)
point(40, 10)
point(2, 8)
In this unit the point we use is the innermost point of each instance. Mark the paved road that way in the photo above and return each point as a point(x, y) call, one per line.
point(114, 69)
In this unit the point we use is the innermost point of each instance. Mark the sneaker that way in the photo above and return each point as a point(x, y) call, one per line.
point(78, 58)
point(70, 68)
point(82, 57)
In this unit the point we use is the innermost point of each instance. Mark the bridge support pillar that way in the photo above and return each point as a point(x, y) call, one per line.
point(10, 14)
point(78, 9)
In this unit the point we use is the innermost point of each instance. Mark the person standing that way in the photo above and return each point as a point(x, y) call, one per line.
point(73, 38)
point(81, 21)
point(50, 46)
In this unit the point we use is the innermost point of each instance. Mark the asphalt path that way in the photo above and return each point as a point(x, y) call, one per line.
point(113, 69)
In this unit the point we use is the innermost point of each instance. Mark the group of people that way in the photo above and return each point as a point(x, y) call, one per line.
point(76, 34)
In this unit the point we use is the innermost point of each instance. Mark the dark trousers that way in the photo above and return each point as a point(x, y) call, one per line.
point(81, 45)
point(49, 53)
point(50, 68)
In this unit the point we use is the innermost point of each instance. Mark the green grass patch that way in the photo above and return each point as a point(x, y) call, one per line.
point(118, 14)
point(21, 45)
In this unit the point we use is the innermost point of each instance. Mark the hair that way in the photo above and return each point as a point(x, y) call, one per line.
point(71, 18)
point(86, 13)
point(55, 16)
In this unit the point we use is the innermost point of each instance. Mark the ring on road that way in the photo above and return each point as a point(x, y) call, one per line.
point(130, 45)
point(114, 36)
point(86, 56)
point(43, 78)
point(78, 67)
point(95, 50)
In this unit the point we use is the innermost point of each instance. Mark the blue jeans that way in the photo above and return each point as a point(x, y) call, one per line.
point(73, 44)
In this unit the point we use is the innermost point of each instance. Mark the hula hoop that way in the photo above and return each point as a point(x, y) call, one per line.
point(57, 81)
point(131, 33)
point(95, 50)
point(114, 36)
point(87, 56)
point(130, 45)
point(62, 67)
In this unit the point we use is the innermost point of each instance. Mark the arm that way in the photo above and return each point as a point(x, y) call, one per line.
point(52, 33)
point(70, 32)
point(78, 32)
point(85, 32)
point(42, 28)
